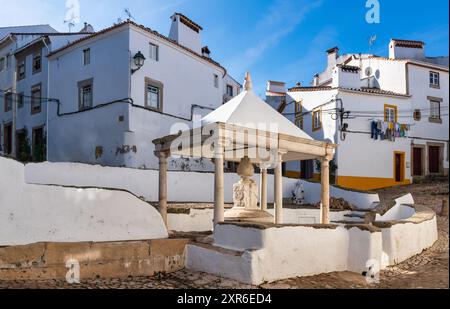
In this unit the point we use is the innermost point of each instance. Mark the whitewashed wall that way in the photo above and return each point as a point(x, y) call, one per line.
point(404, 240)
point(402, 209)
point(41, 213)
point(285, 252)
point(182, 186)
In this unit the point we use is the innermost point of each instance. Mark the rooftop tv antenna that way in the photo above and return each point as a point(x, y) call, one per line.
point(72, 13)
point(128, 14)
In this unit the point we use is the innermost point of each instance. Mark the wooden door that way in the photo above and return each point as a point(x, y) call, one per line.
point(398, 167)
point(417, 161)
point(7, 139)
point(433, 159)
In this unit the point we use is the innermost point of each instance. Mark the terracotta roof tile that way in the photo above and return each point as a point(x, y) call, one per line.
point(129, 22)
point(189, 22)
point(408, 43)
point(362, 89)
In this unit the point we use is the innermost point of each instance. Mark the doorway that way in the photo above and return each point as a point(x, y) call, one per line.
point(7, 139)
point(306, 169)
point(433, 159)
point(399, 166)
point(417, 161)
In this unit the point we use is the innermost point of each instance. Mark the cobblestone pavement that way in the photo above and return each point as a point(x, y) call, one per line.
point(426, 270)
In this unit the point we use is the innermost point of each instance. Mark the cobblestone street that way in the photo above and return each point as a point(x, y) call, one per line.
point(426, 270)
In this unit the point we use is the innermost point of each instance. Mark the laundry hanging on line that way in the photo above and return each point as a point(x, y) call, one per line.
point(386, 130)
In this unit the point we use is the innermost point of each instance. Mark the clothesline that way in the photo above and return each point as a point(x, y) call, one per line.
point(387, 130)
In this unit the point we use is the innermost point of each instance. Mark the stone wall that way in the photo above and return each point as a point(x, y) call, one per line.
point(96, 260)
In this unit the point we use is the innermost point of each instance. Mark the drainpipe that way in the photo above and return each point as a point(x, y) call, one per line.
point(14, 104)
point(47, 102)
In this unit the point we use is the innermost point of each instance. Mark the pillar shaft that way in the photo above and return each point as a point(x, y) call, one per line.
point(162, 193)
point(325, 194)
point(278, 192)
point(263, 189)
point(218, 186)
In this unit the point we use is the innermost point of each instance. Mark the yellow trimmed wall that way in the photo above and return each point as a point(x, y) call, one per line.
point(368, 183)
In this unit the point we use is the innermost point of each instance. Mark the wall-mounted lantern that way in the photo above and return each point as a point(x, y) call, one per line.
point(138, 60)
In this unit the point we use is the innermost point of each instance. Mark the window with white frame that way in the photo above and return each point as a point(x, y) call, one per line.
point(154, 52)
point(316, 120)
point(21, 69)
point(86, 56)
point(434, 79)
point(230, 90)
point(390, 113)
point(85, 94)
point(435, 109)
point(153, 97)
point(8, 101)
point(36, 99)
point(37, 62)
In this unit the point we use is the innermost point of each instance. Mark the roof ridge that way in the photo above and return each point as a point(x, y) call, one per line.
point(154, 32)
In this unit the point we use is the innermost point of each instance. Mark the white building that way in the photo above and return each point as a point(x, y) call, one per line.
point(110, 107)
point(357, 91)
point(23, 85)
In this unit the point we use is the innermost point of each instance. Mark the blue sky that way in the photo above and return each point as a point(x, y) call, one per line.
point(274, 39)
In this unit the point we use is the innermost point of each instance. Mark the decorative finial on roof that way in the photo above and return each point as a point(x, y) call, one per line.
point(248, 85)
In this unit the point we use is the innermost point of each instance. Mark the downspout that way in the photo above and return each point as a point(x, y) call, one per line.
point(47, 103)
point(14, 104)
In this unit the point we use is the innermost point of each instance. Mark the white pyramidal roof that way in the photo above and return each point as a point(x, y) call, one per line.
point(248, 110)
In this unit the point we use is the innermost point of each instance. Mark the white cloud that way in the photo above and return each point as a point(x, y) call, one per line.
point(281, 19)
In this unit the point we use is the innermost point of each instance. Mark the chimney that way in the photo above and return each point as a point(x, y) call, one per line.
point(276, 87)
point(315, 80)
point(333, 54)
point(406, 49)
point(186, 32)
point(298, 84)
point(87, 28)
point(346, 76)
point(206, 52)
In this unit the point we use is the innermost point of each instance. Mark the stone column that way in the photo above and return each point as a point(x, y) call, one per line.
point(325, 186)
point(218, 183)
point(278, 192)
point(162, 194)
point(263, 188)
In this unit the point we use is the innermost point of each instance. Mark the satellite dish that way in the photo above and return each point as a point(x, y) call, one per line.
point(368, 71)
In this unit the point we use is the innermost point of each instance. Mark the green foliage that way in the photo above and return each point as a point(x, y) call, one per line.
point(40, 150)
point(23, 146)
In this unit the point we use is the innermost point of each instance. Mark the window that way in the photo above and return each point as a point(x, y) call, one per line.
point(85, 94)
point(36, 99)
point(21, 69)
point(390, 113)
point(2, 64)
point(8, 101)
point(417, 115)
point(8, 61)
point(216, 80)
point(153, 97)
point(86, 56)
point(434, 79)
point(299, 114)
point(37, 62)
point(435, 109)
point(316, 120)
point(154, 52)
point(20, 98)
point(230, 90)
point(153, 94)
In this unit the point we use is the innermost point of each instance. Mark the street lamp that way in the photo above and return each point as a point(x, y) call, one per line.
point(138, 60)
